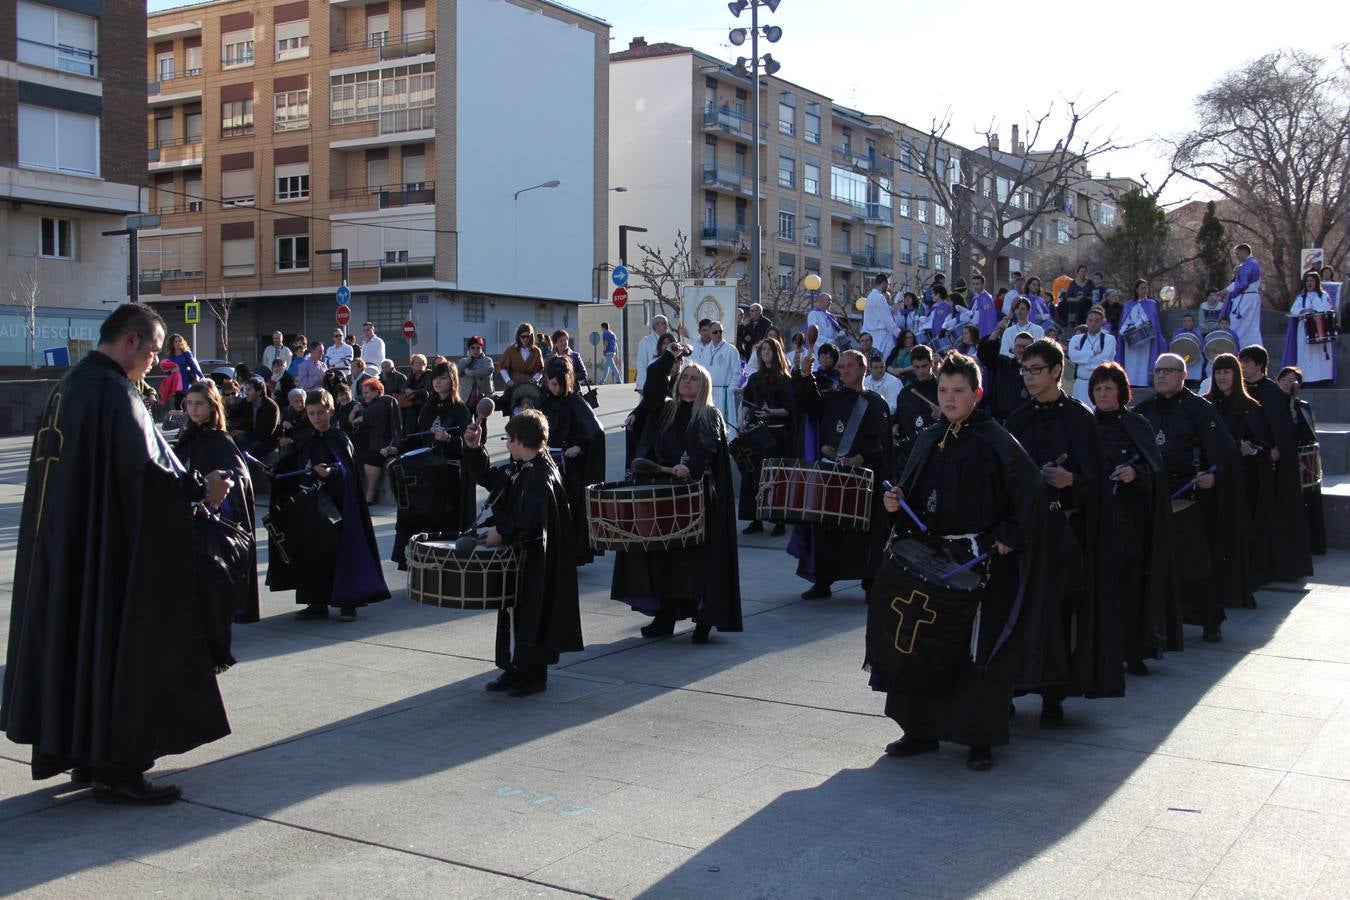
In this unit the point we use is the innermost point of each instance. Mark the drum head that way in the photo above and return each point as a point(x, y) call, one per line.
point(1216, 344)
point(414, 453)
point(1187, 346)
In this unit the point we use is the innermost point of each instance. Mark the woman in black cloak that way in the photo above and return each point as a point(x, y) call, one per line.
point(1290, 381)
point(654, 395)
point(766, 403)
point(433, 495)
point(575, 432)
point(325, 563)
point(204, 446)
point(687, 435)
point(1245, 422)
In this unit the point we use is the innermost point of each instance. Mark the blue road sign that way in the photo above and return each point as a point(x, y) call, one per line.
point(344, 295)
point(619, 275)
point(595, 338)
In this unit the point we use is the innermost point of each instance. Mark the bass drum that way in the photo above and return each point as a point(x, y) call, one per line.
point(1187, 346)
point(1217, 343)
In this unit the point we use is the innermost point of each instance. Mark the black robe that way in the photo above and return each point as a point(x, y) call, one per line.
point(108, 663)
point(572, 423)
point(1244, 421)
point(204, 451)
point(825, 555)
point(1312, 497)
point(453, 490)
point(1140, 516)
point(976, 479)
point(772, 392)
point(704, 581)
point(915, 409)
point(661, 375)
point(349, 575)
point(1005, 391)
point(1191, 437)
point(1083, 652)
point(1288, 526)
point(530, 512)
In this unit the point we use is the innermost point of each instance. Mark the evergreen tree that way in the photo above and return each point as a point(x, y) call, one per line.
point(1138, 248)
point(1211, 246)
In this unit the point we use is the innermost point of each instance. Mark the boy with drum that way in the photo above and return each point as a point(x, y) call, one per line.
point(949, 671)
point(529, 505)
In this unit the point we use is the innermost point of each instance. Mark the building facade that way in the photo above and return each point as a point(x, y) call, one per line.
point(469, 195)
point(71, 167)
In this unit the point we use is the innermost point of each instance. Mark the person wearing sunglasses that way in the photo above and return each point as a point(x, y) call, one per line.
point(1201, 459)
point(723, 362)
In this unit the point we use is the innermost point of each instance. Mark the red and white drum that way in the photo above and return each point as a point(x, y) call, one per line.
point(1310, 465)
point(837, 497)
point(1321, 327)
point(657, 515)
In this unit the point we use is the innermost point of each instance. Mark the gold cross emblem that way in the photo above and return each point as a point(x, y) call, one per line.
point(47, 449)
point(928, 618)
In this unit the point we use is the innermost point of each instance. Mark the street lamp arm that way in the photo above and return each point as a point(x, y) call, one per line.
point(547, 184)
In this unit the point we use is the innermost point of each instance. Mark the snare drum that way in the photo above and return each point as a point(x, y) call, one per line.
point(836, 497)
point(1138, 334)
point(1187, 346)
point(656, 515)
point(1218, 342)
point(1320, 327)
point(487, 578)
point(1310, 466)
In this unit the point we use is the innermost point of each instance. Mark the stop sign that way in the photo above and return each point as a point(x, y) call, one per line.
point(620, 297)
point(344, 315)
point(410, 329)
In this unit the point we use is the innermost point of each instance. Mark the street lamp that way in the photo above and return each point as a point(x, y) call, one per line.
point(547, 184)
point(772, 33)
point(341, 253)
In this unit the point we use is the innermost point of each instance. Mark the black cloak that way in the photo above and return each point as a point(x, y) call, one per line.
point(765, 389)
point(1312, 497)
point(1083, 650)
point(1245, 422)
point(452, 490)
point(915, 409)
point(661, 376)
point(1289, 522)
point(205, 450)
point(108, 664)
point(572, 423)
point(703, 582)
point(1152, 621)
point(530, 512)
point(1006, 390)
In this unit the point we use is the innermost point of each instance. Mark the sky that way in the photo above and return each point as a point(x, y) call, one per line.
point(986, 63)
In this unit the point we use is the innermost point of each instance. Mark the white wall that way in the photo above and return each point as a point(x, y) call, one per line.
point(525, 106)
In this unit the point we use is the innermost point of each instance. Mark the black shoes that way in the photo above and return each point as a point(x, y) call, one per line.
point(348, 614)
point(980, 759)
point(517, 684)
point(754, 527)
point(908, 746)
point(313, 611)
point(1052, 712)
point(817, 591)
point(779, 530)
point(504, 682)
point(1213, 636)
point(527, 686)
point(82, 776)
point(661, 626)
point(1137, 667)
point(701, 632)
point(138, 792)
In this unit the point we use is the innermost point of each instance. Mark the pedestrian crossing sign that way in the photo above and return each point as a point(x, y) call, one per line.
point(192, 313)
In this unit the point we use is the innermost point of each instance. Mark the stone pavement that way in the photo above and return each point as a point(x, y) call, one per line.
point(367, 761)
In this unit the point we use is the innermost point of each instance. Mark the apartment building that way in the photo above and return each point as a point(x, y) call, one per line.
point(468, 194)
point(71, 167)
point(841, 192)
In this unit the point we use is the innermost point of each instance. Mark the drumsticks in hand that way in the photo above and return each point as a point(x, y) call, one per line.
point(888, 487)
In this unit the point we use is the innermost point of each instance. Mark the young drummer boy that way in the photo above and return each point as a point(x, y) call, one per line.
point(530, 513)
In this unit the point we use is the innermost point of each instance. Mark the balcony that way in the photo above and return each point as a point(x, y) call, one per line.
point(876, 214)
point(235, 60)
point(726, 179)
point(242, 201)
point(292, 123)
point(399, 120)
point(416, 44)
point(176, 153)
point(236, 131)
point(787, 128)
point(390, 196)
point(723, 236)
point(870, 260)
point(863, 162)
point(172, 81)
point(811, 240)
point(729, 122)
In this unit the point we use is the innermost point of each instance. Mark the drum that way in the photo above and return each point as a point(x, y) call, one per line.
point(422, 481)
point(487, 578)
point(1217, 342)
point(1139, 334)
point(921, 614)
point(1310, 465)
point(1187, 346)
point(750, 446)
point(1320, 327)
point(836, 497)
point(304, 526)
point(655, 515)
point(1188, 533)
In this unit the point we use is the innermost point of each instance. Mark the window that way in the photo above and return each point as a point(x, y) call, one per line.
point(787, 113)
point(742, 211)
point(1062, 232)
point(1002, 187)
point(812, 122)
point(236, 118)
point(164, 127)
point(292, 39)
point(543, 315)
point(165, 196)
point(923, 254)
point(192, 59)
point(291, 110)
point(787, 226)
point(474, 309)
point(709, 210)
point(57, 140)
point(906, 252)
point(811, 180)
point(377, 30)
point(811, 231)
point(164, 65)
point(907, 157)
point(192, 192)
point(939, 215)
point(56, 238)
point(402, 98)
point(787, 169)
point(414, 167)
point(1108, 215)
point(236, 187)
point(293, 252)
point(236, 48)
point(921, 210)
point(848, 186)
point(293, 181)
point(937, 261)
point(236, 257)
point(414, 22)
point(192, 122)
point(904, 205)
point(57, 39)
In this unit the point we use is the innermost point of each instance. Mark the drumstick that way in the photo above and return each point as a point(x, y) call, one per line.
point(961, 568)
point(465, 544)
point(905, 506)
point(1129, 462)
point(1190, 484)
point(258, 462)
point(647, 467)
point(484, 408)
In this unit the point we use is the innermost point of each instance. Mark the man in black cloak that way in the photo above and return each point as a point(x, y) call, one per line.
point(970, 482)
point(574, 430)
point(850, 426)
point(107, 670)
point(1006, 391)
point(917, 406)
point(530, 513)
point(1201, 460)
point(1083, 645)
point(1289, 522)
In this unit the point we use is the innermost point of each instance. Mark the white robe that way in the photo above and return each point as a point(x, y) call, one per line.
point(1314, 359)
point(1137, 357)
point(878, 322)
point(1244, 315)
point(1012, 331)
point(724, 364)
point(888, 387)
point(646, 355)
point(1087, 352)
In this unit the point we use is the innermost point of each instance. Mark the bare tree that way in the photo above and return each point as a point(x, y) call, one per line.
point(24, 292)
point(784, 297)
point(1274, 141)
point(662, 273)
point(221, 310)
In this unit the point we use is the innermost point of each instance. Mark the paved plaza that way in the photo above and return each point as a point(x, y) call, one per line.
point(367, 761)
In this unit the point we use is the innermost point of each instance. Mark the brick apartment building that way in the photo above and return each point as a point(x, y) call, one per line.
point(71, 165)
point(395, 130)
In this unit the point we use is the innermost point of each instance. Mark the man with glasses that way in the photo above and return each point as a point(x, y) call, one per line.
point(1200, 458)
point(1082, 654)
point(340, 354)
point(724, 364)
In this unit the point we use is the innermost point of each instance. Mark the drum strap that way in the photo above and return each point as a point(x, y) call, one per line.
point(851, 429)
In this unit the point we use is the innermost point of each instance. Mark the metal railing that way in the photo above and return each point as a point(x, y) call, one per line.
point(871, 260)
point(290, 124)
point(723, 234)
point(414, 44)
point(390, 196)
point(876, 213)
point(405, 269)
point(727, 119)
point(234, 131)
point(731, 179)
point(811, 240)
point(239, 59)
point(238, 201)
point(787, 128)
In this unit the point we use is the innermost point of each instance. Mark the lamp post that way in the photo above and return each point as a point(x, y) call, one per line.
point(133, 263)
point(341, 253)
point(547, 184)
point(772, 33)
